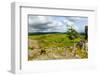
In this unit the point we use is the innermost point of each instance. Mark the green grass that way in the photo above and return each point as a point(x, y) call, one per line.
point(50, 40)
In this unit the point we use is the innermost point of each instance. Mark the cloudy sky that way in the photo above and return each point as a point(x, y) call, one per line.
point(56, 23)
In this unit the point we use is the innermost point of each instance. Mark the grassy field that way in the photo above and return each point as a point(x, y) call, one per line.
point(53, 46)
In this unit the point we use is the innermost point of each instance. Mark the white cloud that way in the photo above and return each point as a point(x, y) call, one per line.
point(58, 27)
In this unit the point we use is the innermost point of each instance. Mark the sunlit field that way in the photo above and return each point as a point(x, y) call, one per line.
point(55, 46)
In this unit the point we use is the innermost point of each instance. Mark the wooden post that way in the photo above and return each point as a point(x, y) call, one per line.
point(86, 32)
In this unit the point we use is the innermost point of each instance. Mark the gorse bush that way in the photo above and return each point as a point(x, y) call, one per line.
point(72, 34)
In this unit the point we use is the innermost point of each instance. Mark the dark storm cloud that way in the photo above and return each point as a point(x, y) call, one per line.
point(44, 24)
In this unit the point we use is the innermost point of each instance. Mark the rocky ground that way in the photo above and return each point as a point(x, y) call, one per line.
point(38, 53)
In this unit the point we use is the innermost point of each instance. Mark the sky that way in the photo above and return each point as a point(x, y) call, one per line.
point(38, 23)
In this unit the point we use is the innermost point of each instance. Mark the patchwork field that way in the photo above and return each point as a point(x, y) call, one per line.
point(54, 46)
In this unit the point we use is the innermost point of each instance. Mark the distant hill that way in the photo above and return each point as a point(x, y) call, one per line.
point(37, 33)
